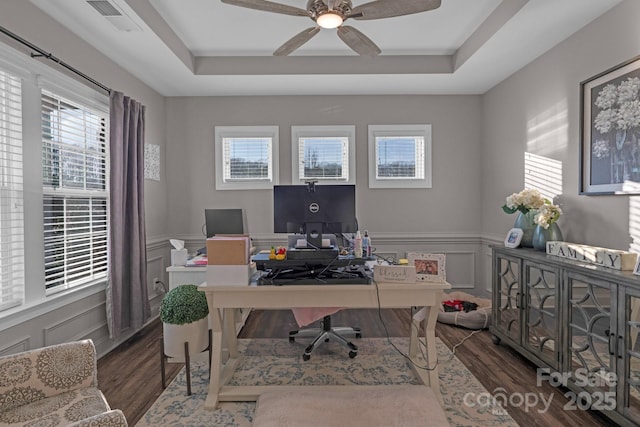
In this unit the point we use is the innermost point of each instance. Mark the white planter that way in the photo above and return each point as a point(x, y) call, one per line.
point(195, 333)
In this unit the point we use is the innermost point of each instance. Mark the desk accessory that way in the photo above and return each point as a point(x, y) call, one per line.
point(394, 273)
point(429, 267)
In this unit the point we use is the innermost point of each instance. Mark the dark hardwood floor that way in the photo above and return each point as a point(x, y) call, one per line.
point(130, 379)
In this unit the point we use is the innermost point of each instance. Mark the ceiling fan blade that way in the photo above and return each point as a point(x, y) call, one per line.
point(357, 41)
point(390, 8)
point(296, 41)
point(268, 6)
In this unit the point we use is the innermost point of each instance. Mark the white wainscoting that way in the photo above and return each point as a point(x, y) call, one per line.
point(86, 318)
point(17, 346)
point(463, 270)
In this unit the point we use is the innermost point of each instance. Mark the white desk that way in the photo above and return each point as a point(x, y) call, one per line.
point(224, 300)
point(180, 275)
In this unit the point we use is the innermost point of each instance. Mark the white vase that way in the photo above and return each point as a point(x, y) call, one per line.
point(195, 333)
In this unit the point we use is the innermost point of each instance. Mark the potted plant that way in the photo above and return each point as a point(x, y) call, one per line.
point(185, 328)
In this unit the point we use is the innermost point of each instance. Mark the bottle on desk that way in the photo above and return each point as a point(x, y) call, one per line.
point(357, 245)
point(366, 244)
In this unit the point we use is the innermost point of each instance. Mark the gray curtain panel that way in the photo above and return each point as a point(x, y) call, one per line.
point(128, 305)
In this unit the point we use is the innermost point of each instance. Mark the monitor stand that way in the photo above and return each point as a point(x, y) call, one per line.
point(314, 234)
point(312, 254)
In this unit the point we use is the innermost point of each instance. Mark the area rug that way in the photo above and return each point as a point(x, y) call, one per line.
point(276, 361)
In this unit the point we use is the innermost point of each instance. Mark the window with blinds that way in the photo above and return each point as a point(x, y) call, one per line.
point(12, 272)
point(323, 153)
point(246, 157)
point(75, 192)
point(399, 156)
point(323, 158)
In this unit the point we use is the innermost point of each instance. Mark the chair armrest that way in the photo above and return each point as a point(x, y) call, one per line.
point(113, 418)
point(44, 372)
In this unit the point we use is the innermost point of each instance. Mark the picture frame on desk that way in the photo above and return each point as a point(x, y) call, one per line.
point(636, 269)
point(429, 267)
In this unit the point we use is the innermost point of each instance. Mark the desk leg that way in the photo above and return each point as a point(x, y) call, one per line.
point(216, 359)
point(430, 320)
point(231, 338)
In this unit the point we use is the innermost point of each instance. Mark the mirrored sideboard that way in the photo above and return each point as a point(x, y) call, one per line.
point(578, 320)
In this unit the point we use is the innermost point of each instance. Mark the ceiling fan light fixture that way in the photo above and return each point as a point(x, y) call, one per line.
point(329, 20)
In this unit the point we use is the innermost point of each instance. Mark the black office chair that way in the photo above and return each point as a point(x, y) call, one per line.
point(325, 334)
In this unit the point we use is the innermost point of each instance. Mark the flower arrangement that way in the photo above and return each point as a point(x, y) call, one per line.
point(530, 200)
point(524, 201)
point(547, 215)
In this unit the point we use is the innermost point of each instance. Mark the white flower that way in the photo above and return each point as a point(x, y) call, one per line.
point(524, 201)
point(547, 214)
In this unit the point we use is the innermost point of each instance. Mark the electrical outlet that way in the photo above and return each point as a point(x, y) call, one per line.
point(158, 286)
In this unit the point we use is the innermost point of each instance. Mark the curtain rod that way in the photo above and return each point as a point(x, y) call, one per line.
point(43, 53)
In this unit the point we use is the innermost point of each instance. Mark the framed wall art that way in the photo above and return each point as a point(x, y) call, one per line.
point(610, 131)
point(429, 267)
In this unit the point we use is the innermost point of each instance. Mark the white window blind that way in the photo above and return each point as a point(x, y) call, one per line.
point(75, 192)
point(247, 159)
point(326, 154)
point(323, 158)
point(400, 157)
point(11, 193)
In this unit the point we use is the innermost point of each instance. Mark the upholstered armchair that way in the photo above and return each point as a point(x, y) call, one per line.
point(54, 386)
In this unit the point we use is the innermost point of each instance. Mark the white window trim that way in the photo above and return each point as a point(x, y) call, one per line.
point(36, 75)
point(400, 130)
point(298, 132)
point(222, 132)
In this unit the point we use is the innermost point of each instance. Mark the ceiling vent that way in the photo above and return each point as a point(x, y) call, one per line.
point(114, 14)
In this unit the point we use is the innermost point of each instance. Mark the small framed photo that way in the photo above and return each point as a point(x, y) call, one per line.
point(514, 236)
point(429, 267)
point(636, 270)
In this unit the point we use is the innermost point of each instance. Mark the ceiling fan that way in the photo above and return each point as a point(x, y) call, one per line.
point(332, 13)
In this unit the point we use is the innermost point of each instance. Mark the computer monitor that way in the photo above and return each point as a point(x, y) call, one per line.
point(223, 221)
point(313, 210)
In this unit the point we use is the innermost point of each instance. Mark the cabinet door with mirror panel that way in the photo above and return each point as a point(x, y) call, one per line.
point(507, 319)
point(629, 351)
point(590, 360)
point(541, 287)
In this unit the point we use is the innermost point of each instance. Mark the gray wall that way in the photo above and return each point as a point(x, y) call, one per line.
point(537, 110)
point(448, 207)
point(442, 219)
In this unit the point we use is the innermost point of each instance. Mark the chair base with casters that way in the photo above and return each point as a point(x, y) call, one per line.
point(187, 362)
point(327, 333)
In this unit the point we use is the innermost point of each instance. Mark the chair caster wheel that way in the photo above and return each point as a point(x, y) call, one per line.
point(358, 335)
point(292, 339)
point(353, 354)
point(306, 357)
